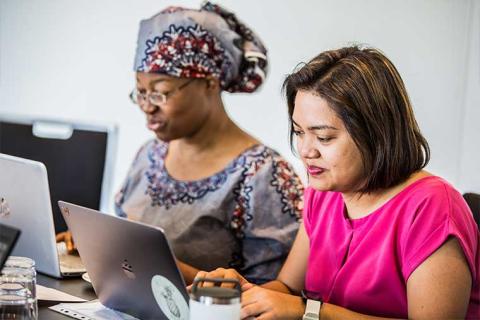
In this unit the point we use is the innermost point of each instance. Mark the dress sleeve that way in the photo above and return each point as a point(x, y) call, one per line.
point(439, 215)
point(132, 180)
point(266, 218)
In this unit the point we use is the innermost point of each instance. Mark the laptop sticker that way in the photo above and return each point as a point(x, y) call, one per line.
point(4, 208)
point(169, 298)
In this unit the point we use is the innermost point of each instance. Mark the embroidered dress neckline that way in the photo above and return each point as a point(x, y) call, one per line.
point(232, 165)
point(166, 191)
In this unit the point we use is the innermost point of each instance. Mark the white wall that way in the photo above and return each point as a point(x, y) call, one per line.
point(73, 59)
point(469, 164)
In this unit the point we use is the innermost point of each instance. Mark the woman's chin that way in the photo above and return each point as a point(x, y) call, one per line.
point(162, 136)
point(165, 136)
point(319, 185)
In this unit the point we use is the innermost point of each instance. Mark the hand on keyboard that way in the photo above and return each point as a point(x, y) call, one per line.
point(67, 238)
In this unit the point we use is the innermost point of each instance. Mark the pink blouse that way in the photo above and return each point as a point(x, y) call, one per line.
point(364, 264)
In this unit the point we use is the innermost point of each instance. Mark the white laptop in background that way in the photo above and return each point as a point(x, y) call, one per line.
point(26, 205)
point(71, 151)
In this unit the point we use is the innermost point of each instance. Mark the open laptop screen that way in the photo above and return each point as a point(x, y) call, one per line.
point(8, 237)
point(75, 166)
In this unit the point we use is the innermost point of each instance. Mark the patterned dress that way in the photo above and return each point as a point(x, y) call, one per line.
point(244, 217)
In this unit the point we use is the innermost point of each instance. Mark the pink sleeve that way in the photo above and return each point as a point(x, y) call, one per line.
point(438, 216)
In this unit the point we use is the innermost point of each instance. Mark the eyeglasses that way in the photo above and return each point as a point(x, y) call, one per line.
point(155, 98)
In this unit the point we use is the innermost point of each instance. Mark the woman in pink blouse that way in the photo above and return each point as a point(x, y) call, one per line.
point(381, 237)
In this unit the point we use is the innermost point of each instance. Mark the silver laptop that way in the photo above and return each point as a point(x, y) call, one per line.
point(130, 264)
point(25, 201)
point(71, 151)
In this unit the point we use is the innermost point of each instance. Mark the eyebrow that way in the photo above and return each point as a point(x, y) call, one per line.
point(317, 127)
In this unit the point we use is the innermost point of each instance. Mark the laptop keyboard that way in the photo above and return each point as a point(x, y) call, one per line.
point(69, 263)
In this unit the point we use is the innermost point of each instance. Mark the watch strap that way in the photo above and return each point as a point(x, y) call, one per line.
point(312, 310)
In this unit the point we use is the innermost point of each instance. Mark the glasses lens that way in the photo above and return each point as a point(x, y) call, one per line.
point(157, 98)
point(137, 97)
point(154, 98)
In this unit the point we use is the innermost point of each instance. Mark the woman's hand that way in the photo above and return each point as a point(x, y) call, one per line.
point(187, 271)
point(67, 238)
point(265, 304)
point(258, 302)
point(221, 273)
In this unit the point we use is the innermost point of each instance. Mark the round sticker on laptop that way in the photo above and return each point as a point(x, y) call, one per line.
point(169, 299)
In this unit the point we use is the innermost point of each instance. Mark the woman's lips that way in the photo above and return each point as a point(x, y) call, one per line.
point(155, 125)
point(315, 171)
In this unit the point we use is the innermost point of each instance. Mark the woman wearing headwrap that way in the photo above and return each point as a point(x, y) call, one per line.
point(222, 197)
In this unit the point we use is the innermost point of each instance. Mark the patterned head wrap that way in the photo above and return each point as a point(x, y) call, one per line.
point(211, 41)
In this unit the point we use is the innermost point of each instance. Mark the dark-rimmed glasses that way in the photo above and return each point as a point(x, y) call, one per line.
point(155, 98)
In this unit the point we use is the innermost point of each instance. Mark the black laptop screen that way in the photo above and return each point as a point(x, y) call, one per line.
point(75, 166)
point(8, 237)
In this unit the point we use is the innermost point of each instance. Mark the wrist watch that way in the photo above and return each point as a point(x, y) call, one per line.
point(312, 308)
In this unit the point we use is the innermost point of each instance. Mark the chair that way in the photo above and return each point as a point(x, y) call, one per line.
point(78, 157)
point(473, 201)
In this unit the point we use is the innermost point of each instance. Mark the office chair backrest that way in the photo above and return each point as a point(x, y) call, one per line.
point(473, 201)
point(79, 158)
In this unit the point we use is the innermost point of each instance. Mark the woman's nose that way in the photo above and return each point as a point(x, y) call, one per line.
point(148, 107)
point(308, 150)
point(310, 153)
